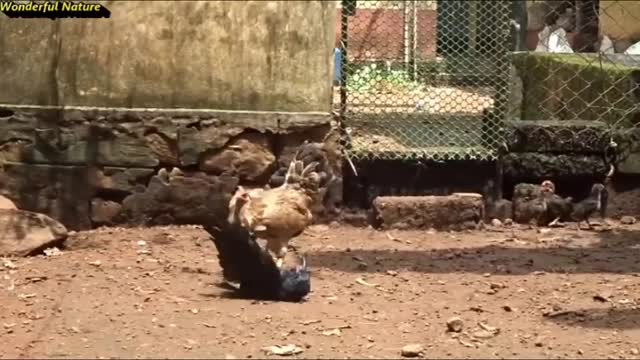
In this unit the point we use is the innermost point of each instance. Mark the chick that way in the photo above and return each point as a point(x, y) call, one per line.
point(557, 207)
point(593, 203)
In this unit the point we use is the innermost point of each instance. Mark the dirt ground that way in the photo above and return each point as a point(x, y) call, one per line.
point(143, 293)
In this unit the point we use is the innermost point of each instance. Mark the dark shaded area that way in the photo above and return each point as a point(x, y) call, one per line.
point(611, 318)
point(516, 261)
point(578, 188)
point(4, 112)
point(619, 240)
point(414, 178)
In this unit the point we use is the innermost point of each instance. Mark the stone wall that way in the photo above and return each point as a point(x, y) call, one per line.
point(114, 167)
point(95, 114)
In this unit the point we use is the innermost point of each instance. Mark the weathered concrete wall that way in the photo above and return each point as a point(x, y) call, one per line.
point(232, 55)
point(223, 91)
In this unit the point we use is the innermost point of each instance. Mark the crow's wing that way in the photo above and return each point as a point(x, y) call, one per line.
point(243, 260)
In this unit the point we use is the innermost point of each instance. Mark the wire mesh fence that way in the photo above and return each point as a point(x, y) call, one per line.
point(441, 79)
point(423, 79)
point(582, 63)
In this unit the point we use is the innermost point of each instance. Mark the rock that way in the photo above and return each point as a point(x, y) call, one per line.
point(25, 232)
point(457, 211)
point(627, 220)
point(6, 203)
point(195, 198)
point(201, 136)
point(455, 324)
point(566, 136)
point(125, 180)
point(634, 351)
point(508, 222)
point(99, 142)
point(412, 350)
point(61, 192)
point(248, 156)
point(496, 222)
point(103, 212)
point(519, 166)
point(164, 147)
point(501, 209)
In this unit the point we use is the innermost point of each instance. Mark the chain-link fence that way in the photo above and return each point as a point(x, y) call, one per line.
point(441, 79)
point(581, 68)
point(423, 79)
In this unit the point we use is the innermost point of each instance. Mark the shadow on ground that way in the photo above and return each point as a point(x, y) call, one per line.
point(621, 238)
point(486, 259)
point(612, 318)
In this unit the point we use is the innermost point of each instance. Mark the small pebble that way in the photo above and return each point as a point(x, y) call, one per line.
point(455, 324)
point(412, 350)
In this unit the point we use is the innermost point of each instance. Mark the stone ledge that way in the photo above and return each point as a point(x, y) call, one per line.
point(537, 165)
point(453, 212)
point(557, 136)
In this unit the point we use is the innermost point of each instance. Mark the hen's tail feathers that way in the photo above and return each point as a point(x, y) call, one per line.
point(297, 173)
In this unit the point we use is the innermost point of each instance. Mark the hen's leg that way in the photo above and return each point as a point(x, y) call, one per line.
point(282, 252)
point(554, 222)
point(277, 251)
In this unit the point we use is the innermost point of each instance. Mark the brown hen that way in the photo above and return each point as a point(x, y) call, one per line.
point(279, 214)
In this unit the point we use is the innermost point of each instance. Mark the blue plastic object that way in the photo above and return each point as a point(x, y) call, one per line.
point(337, 60)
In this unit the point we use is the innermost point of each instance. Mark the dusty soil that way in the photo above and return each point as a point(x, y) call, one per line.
point(143, 293)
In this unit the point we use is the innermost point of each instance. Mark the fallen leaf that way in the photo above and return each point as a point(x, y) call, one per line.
point(331, 332)
point(362, 282)
point(391, 237)
point(466, 343)
point(309, 322)
point(488, 328)
point(282, 350)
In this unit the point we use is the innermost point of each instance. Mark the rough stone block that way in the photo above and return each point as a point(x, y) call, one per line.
point(248, 156)
point(557, 136)
point(125, 180)
point(537, 165)
point(104, 212)
point(200, 136)
point(457, 211)
point(135, 139)
point(62, 192)
point(195, 198)
point(501, 209)
point(25, 232)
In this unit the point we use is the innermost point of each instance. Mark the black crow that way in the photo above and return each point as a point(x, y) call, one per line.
point(244, 261)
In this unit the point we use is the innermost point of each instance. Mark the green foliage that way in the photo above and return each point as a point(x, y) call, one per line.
point(376, 79)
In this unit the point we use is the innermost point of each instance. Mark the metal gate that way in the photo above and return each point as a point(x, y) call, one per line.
point(423, 79)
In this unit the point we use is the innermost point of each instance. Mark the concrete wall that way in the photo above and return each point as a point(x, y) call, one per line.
point(233, 55)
